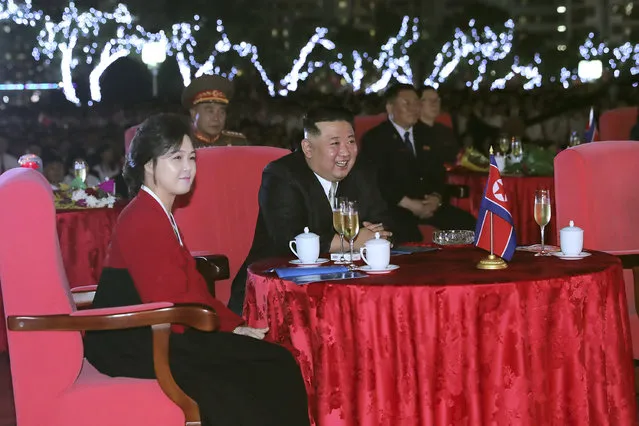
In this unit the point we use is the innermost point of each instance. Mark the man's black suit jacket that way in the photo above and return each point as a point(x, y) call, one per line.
point(402, 174)
point(291, 198)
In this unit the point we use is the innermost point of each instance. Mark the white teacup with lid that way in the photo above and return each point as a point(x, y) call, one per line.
point(307, 245)
point(571, 240)
point(376, 253)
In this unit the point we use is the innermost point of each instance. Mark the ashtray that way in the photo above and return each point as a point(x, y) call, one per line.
point(453, 237)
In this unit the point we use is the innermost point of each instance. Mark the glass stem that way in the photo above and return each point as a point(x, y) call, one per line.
point(351, 242)
point(341, 240)
point(542, 239)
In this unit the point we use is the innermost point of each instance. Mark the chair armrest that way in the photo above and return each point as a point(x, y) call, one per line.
point(213, 267)
point(159, 316)
point(457, 191)
point(196, 316)
point(83, 296)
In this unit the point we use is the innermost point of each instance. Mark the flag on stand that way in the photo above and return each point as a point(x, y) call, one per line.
point(496, 201)
point(591, 134)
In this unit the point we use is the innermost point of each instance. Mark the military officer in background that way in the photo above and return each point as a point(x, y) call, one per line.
point(207, 98)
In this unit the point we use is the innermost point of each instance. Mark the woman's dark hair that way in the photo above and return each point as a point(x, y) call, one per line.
point(159, 134)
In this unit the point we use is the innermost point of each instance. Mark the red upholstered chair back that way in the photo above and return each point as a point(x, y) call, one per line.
point(34, 282)
point(128, 137)
point(445, 119)
point(363, 123)
point(219, 215)
point(595, 186)
point(615, 124)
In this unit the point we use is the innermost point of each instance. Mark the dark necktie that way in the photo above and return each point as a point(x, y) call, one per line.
point(408, 143)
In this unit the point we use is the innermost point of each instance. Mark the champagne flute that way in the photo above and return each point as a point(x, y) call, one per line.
point(516, 148)
point(504, 143)
point(542, 214)
point(351, 223)
point(80, 170)
point(339, 205)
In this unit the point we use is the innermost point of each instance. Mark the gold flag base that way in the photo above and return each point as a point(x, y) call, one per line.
point(492, 262)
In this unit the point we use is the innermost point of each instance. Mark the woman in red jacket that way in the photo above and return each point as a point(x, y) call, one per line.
point(235, 377)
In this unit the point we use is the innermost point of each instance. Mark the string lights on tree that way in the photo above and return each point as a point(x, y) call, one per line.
point(93, 40)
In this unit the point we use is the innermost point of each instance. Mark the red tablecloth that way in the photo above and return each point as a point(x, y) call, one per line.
point(521, 190)
point(437, 342)
point(84, 237)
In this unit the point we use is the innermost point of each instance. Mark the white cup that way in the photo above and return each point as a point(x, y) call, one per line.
point(307, 245)
point(376, 253)
point(571, 240)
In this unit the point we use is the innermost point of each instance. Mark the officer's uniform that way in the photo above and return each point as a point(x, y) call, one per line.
point(211, 88)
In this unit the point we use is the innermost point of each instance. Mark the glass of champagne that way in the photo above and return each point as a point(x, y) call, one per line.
point(542, 214)
point(339, 206)
point(517, 150)
point(504, 144)
point(80, 170)
point(351, 223)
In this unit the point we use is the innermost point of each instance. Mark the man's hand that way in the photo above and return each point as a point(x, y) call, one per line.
point(367, 232)
point(430, 204)
point(256, 333)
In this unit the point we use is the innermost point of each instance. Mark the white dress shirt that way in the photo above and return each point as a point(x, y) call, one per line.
point(403, 131)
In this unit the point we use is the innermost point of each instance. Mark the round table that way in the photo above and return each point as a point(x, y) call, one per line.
point(438, 342)
point(84, 236)
point(521, 191)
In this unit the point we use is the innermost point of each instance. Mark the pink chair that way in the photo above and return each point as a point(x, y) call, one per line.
point(363, 123)
point(128, 137)
point(615, 124)
point(595, 186)
point(53, 384)
point(219, 214)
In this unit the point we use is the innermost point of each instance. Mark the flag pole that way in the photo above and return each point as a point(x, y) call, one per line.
point(492, 262)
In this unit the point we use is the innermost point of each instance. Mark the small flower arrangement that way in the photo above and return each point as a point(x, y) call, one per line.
point(76, 197)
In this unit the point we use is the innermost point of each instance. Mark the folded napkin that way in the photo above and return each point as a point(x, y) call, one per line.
point(300, 272)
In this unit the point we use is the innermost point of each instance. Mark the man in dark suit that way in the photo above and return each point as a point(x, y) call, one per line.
point(440, 137)
point(296, 190)
point(410, 173)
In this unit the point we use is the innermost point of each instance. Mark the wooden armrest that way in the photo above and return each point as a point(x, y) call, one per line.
point(213, 267)
point(457, 191)
point(196, 316)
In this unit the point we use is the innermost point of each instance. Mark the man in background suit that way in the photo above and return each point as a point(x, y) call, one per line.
point(440, 137)
point(410, 172)
point(296, 189)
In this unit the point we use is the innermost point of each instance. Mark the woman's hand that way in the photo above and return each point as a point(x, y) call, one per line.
point(256, 333)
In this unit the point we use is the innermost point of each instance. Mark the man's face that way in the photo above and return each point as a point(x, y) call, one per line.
point(54, 172)
point(404, 110)
point(209, 118)
point(332, 153)
point(431, 105)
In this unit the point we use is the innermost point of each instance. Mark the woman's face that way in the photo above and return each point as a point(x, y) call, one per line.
point(174, 171)
point(107, 155)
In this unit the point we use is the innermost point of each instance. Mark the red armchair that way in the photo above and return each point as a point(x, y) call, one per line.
point(53, 384)
point(219, 214)
point(595, 185)
point(615, 124)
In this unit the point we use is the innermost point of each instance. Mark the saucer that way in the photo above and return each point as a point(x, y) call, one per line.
point(299, 263)
point(561, 255)
point(368, 270)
